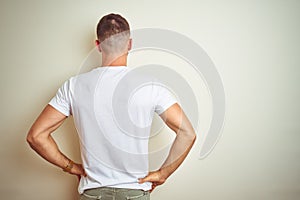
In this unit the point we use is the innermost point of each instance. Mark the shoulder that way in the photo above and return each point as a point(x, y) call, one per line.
point(82, 78)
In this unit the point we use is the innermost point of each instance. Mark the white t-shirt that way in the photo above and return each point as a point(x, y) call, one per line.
point(113, 108)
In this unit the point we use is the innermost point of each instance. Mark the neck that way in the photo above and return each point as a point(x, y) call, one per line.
point(114, 61)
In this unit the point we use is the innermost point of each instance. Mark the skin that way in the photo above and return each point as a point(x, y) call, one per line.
point(176, 120)
point(40, 139)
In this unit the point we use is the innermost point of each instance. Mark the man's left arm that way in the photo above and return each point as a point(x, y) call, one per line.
point(40, 139)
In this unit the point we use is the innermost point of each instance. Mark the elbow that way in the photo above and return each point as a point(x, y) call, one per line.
point(33, 139)
point(193, 137)
point(30, 139)
point(190, 136)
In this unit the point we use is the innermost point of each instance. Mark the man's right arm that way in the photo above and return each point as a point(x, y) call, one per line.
point(176, 120)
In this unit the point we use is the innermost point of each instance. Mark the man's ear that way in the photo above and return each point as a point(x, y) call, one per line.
point(97, 43)
point(129, 44)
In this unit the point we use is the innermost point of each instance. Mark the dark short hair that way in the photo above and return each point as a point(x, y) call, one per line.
point(111, 24)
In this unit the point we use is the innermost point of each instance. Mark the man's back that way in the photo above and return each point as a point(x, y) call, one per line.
point(113, 122)
point(113, 110)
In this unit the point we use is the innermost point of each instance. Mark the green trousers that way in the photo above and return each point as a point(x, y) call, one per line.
point(108, 193)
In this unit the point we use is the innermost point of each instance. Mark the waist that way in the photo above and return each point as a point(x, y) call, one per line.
point(87, 183)
point(116, 193)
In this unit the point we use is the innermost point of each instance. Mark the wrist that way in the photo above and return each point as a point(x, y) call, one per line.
point(69, 166)
point(164, 174)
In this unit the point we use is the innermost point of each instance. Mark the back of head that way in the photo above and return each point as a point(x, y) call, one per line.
point(113, 32)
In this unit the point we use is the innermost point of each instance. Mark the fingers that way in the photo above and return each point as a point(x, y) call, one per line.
point(78, 170)
point(148, 178)
point(154, 185)
point(80, 175)
point(142, 180)
point(83, 172)
point(154, 178)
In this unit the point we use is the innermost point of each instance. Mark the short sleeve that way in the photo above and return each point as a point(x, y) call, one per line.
point(164, 99)
point(61, 101)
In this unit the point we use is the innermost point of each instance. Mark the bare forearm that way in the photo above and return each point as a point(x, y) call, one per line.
point(178, 152)
point(48, 149)
point(40, 139)
point(176, 120)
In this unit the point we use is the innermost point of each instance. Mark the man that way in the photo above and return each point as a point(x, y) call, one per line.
point(113, 131)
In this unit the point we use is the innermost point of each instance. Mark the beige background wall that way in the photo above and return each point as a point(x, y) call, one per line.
point(255, 46)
